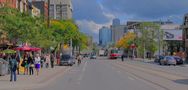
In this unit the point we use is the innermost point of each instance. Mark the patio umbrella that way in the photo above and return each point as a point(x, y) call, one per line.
point(8, 51)
point(35, 49)
point(24, 48)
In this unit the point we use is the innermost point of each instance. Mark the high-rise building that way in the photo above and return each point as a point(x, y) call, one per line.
point(116, 21)
point(118, 30)
point(185, 35)
point(61, 9)
point(105, 36)
point(42, 6)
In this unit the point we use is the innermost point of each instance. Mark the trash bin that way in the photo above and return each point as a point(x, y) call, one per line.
point(3, 67)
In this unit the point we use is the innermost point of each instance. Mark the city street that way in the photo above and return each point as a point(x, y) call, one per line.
point(103, 74)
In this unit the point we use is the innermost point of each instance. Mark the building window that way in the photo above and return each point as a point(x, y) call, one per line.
point(52, 11)
point(58, 12)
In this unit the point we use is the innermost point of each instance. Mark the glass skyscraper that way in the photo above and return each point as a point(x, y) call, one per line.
point(105, 36)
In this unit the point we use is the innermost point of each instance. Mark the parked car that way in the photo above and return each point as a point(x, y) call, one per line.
point(168, 60)
point(179, 60)
point(67, 60)
point(158, 58)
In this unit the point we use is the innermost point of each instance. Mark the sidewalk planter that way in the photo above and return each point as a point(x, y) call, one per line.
point(3, 67)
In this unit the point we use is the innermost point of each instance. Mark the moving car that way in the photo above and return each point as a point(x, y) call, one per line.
point(67, 60)
point(93, 56)
point(178, 60)
point(168, 60)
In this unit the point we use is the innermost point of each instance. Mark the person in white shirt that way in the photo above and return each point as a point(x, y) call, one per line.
point(37, 63)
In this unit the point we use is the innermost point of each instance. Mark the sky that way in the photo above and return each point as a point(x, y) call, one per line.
point(91, 15)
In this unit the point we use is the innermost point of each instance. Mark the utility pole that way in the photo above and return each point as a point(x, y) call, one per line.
point(71, 54)
point(159, 41)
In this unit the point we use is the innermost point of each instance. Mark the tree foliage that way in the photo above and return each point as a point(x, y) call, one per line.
point(148, 38)
point(22, 27)
point(126, 40)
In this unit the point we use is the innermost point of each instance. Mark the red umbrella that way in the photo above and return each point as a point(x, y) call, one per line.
point(35, 49)
point(26, 47)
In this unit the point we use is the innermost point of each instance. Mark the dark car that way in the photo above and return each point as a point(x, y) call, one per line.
point(158, 58)
point(67, 60)
point(178, 60)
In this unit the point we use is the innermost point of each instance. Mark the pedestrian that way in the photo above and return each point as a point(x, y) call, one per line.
point(31, 65)
point(37, 63)
point(52, 60)
point(18, 61)
point(25, 64)
point(122, 57)
point(47, 60)
point(79, 57)
point(13, 66)
point(42, 61)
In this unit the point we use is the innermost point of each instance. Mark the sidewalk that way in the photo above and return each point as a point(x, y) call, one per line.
point(32, 81)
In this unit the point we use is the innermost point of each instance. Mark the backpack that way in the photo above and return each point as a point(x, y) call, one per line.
point(13, 64)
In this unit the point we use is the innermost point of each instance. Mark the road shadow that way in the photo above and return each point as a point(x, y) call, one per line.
point(182, 81)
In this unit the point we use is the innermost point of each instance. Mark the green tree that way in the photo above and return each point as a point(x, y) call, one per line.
point(148, 39)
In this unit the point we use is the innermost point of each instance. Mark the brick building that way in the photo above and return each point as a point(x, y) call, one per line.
point(11, 3)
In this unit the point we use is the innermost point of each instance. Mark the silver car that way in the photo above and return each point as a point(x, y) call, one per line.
point(168, 60)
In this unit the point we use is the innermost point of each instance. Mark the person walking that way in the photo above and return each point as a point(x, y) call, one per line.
point(31, 65)
point(52, 60)
point(47, 60)
point(37, 63)
point(13, 66)
point(122, 57)
point(79, 57)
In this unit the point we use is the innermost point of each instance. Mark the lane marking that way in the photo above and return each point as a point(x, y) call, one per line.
point(151, 83)
point(83, 70)
point(131, 78)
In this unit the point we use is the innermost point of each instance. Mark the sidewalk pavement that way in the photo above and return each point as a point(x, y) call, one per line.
point(25, 82)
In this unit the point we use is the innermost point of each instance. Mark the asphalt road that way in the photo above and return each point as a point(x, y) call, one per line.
point(106, 74)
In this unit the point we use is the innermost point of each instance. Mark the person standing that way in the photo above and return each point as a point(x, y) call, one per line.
point(13, 66)
point(31, 65)
point(52, 60)
point(25, 64)
point(47, 60)
point(37, 63)
point(18, 61)
point(42, 61)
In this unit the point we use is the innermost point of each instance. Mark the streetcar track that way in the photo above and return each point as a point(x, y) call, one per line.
point(139, 77)
point(155, 72)
point(161, 71)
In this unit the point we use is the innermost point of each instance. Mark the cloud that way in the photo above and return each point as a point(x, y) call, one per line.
point(93, 14)
point(90, 28)
point(147, 9)
point(90, 10)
